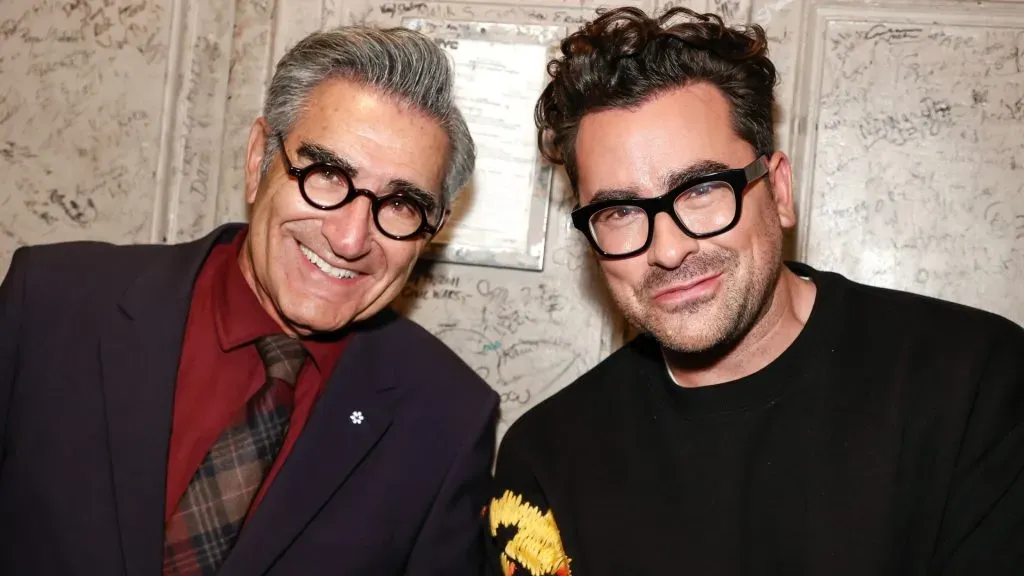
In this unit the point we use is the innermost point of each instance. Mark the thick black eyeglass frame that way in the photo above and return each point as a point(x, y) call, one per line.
point(739, 179)
point(376, 202)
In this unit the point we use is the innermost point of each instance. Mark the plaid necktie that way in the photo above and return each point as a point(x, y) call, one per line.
point(203, 529)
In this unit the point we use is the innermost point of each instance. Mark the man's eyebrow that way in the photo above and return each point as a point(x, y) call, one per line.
point(606, 194)
point(429, 201)
point(700, 168)
point(317, 154)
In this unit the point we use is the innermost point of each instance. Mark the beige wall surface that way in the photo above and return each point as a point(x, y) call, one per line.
point(126, 121)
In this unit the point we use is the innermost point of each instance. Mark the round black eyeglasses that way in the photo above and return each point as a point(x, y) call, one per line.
point(399, 215)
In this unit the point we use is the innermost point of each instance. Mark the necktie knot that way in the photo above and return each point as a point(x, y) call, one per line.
point(282, 357)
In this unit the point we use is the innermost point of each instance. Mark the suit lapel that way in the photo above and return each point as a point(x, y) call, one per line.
point(140, 363)
point(333, 443)
point(140, 349)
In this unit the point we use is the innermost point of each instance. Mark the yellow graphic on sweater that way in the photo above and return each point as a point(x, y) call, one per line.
point(537, 545)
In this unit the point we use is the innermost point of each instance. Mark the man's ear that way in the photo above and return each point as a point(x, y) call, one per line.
point(258, 135)
point(780, 174)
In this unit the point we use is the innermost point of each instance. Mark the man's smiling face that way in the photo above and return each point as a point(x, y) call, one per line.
point(692, 295)
point(316, 271)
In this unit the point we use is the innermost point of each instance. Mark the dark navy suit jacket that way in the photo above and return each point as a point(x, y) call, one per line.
point(90, 336)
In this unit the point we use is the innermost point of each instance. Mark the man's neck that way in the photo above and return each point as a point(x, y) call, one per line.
point(770, 336)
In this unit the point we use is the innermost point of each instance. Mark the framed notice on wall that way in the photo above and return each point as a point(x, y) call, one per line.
point(500, 217)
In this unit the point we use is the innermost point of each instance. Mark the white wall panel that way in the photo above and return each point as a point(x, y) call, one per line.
point(912, 165)
point(81, 103)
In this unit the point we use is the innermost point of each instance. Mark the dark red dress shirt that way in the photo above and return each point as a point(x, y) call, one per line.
point(220, 369)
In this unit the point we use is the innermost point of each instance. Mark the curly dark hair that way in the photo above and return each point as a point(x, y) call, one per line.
point(624, 57)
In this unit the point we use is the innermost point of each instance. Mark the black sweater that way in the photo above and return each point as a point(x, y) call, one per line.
point(887, 439)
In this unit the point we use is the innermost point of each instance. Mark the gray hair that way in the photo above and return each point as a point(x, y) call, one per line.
point(398, 62)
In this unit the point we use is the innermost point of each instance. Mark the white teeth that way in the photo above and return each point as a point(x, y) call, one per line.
point(324, 266)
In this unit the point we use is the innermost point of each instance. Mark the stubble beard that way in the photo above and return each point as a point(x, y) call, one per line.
point(706, 328)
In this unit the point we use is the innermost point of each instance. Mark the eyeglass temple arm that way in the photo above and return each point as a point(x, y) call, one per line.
point(756, 169)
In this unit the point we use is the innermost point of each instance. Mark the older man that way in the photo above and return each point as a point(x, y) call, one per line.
point(246, 403)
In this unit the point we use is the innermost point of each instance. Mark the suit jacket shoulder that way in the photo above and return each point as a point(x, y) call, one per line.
point(69, 276)
point(73, 286)
point(69, 272)
point(422, 361)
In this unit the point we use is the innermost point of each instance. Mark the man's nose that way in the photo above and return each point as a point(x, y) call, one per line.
point(670, 245)
point(349, 227)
